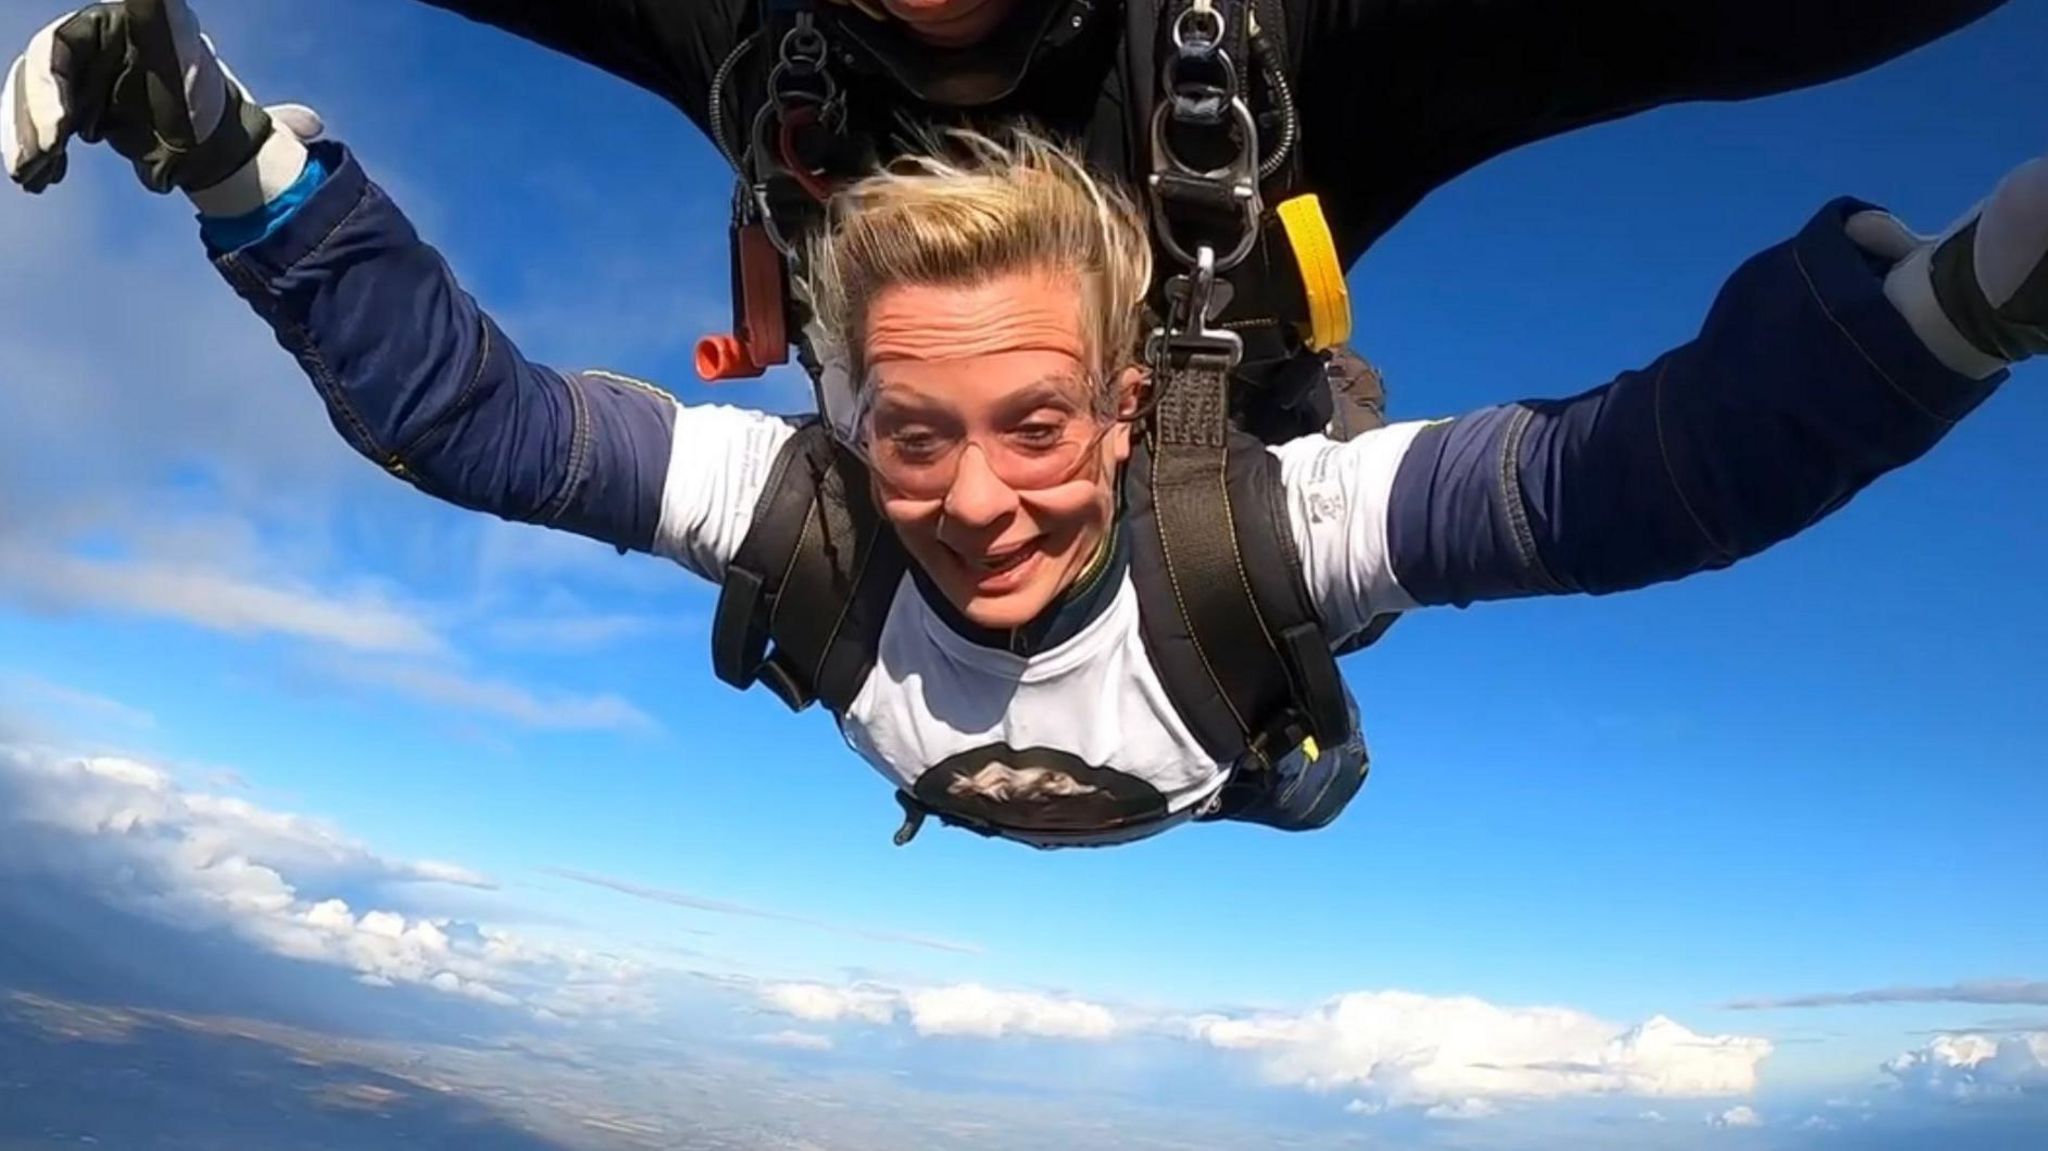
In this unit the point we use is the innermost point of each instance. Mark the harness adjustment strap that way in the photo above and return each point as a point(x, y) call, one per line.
point(814, 578)
point(737, 646)
point(913, 818)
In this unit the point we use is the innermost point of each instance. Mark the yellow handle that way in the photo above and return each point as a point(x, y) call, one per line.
point(1322, 276)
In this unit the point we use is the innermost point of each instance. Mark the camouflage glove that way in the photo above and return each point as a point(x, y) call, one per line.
point(1978, 293)
point(142, 77)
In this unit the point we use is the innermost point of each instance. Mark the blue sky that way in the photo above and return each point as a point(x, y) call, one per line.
point(1816, 774)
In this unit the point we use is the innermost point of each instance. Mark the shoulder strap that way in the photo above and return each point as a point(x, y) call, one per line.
point(813, 578)
point(1225, 612)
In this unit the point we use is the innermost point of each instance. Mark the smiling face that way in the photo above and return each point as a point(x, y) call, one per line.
point(987, 298)
point(992, 455)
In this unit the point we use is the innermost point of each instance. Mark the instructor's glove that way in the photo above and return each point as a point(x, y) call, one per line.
point(1978, 293)
point(142, 77)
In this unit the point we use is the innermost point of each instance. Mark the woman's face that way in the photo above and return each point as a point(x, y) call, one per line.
point(985, 446)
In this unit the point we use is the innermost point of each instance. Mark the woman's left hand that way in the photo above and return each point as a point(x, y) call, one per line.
point(1978, 293)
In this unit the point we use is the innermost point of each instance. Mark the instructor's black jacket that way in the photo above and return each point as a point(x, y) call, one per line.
point(1396, 97)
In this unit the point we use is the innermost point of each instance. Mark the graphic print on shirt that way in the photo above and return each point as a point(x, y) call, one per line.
point(1037, 789)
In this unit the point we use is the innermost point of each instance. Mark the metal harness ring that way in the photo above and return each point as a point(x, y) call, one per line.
point(1241, 174)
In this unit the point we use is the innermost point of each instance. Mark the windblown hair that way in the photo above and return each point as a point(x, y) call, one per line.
point(965, 208)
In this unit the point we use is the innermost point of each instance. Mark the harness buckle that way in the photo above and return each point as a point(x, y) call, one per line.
point(1193, 300)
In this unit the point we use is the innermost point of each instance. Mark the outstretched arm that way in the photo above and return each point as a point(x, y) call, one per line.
point(419, 379)
point(1406, 95)
point(414, 374)
point(671, 48)
point(1827, 361)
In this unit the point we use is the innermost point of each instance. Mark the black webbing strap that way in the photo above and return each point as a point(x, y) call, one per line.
point(1225, 613)
point(813, 578)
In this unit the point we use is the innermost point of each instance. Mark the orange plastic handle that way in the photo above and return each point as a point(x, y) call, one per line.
point(723, 357)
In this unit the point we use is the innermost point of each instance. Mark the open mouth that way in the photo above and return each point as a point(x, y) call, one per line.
point(997, 564)
point(1003, 571)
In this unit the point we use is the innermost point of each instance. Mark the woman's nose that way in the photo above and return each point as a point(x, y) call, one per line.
point(978, 497)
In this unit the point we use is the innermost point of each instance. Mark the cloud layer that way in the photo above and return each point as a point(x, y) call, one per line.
point(1452, 1057)
point(131, 835)
point(1974, 1066)
point(1417, 1049)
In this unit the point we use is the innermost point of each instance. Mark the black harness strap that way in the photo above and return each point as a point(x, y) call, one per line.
point(1225, 613)
point(813, 578)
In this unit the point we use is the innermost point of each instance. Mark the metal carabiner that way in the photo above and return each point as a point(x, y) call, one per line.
point(1240, 177)
point(1193, 299)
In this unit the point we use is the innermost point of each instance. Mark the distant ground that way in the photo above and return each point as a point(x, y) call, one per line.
point(74, 1074)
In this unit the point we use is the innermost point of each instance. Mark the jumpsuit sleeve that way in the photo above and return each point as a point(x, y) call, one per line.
point(420, 380)
point(1399, 97)
point(1804, 385)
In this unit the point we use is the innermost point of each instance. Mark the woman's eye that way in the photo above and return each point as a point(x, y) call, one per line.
point(1039, 435)
point(914, 443)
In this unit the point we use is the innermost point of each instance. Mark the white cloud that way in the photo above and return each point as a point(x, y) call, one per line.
point(971, 1009)
point(1462, 1109)
point(966, 1009)
point(819, 1003)
point(1447, 1058)
point(200, 835)
point(128, 832)
point(1971, 1065)
point(1362, 1107)
point(1817, 1123)
point(1737, 1116)
point(212, 598)
point(1419, 1050)
point(444, 687)
point(796, 1040)
point(1651, 1117)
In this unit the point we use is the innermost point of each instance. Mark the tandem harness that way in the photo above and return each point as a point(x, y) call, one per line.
point(1256, 295)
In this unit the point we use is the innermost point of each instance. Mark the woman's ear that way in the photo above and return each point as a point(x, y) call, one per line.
point(1131, 386)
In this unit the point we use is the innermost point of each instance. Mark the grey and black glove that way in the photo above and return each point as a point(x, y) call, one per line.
point(141, 76)
point(1978, 293)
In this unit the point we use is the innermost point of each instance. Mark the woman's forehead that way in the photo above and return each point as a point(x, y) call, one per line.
point(1021, 312)
point(1025, 377)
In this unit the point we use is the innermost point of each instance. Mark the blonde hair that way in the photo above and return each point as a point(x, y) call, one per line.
point(983, 208)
